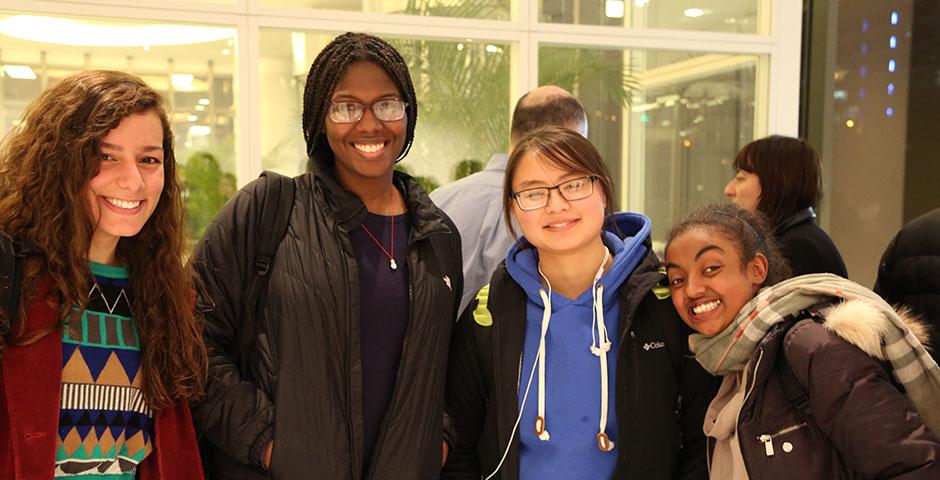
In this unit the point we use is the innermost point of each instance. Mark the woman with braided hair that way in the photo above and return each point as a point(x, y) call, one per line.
point(346, 361)
point(101, 352)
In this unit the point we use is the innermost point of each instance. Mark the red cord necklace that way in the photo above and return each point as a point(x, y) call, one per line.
point(391, 257)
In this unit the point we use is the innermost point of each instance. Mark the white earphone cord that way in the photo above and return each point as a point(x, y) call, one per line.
point(525, 397)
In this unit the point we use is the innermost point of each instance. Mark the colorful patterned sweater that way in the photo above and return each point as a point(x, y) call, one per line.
point(105, 426)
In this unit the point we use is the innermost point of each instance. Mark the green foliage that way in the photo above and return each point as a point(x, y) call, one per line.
point(488, 9)
point(206, 189)
point(464, 91)
point(466, 167)
point(577, 68)
point(429, 184)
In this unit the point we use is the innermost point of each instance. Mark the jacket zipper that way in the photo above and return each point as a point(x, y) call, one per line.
point(768, 439)
point(519, 378)
point(380, 438)
point(760, 356)
point(349, 390)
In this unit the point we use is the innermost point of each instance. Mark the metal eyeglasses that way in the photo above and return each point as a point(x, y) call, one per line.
point(536, 198)
point(386, 110)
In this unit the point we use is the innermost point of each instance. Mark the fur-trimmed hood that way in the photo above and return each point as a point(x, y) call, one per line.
point(862, 324)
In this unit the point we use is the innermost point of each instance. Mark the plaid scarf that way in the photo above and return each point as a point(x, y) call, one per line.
point(911, 365)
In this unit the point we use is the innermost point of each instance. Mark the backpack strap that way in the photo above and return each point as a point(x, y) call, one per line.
point(792, 388)
point(12, 254)
point(272, 217)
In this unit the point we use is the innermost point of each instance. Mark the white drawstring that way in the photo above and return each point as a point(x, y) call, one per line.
point(540, 428)
point(598, 319)
point(600, 345)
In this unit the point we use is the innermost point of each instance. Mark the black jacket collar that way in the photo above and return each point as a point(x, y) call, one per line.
point(803, 216)
point(349, 211)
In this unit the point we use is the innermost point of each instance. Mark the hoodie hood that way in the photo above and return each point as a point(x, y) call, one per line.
point(626, 235)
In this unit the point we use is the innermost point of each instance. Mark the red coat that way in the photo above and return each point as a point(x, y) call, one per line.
point(30, 382)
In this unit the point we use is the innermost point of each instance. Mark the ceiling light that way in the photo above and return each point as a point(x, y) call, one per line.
point(199, 130)
point(182, 82)
point(64, 31)
point(614, 8)
point(693, 12)
point(19, 72)
point(203, 101)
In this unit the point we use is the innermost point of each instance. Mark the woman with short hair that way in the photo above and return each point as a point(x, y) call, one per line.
point(781, 178)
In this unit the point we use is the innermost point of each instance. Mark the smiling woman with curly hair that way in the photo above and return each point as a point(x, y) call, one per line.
point(100, 361)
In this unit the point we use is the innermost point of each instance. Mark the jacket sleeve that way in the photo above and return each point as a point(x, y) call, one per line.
point(466, 397)
point(234, 414)
point(698, 388)
point(854, 402)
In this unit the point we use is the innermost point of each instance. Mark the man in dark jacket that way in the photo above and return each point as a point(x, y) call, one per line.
point(908, 271)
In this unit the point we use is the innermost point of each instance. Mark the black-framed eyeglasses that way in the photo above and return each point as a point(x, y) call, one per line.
point(387, 110)
point(536, 198)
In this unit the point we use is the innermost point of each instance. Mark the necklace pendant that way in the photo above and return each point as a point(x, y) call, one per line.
point(391, 263)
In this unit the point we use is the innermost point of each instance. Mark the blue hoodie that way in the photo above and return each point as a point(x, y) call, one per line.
point(572, 371)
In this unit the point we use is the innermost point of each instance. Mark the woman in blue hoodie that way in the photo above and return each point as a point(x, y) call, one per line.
point(577, 367)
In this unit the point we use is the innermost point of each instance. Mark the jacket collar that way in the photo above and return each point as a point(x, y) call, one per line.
point(349, 211)
point(803, 216)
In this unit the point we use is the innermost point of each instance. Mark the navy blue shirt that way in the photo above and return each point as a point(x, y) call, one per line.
point(383, 305)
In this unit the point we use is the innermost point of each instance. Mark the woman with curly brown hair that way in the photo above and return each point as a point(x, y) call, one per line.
point(104, 353)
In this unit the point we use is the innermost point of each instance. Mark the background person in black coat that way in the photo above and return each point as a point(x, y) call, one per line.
point(780, 177)
point(908, 271)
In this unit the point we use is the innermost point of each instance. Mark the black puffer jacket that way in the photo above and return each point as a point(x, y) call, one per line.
point(909, 273)
point(662, 393)
point(304, 385)
point(858, 424)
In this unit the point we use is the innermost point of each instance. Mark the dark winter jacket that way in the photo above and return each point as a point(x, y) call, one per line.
point(860, 425)
point(304, 384)
point(662, 393)
point(808, 248)
point(909, 273)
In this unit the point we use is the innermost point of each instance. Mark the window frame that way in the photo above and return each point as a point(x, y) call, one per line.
point(778, 78)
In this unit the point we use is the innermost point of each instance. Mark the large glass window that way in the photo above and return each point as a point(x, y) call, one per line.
point(737, 16)
point(191, 65)
point(872, 113)
point(668, 124)
point(463, 102)
point(668, 115)
point(484, 9)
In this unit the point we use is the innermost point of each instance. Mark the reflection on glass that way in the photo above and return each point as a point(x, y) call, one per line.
point(485, 9)
point(737, 16)
point(463, 102)
point(192, 66)
point(668, 124)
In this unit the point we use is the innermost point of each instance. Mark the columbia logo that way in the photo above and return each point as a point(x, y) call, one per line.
point(653, 345)
point(447, 282)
